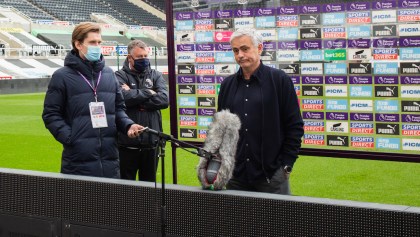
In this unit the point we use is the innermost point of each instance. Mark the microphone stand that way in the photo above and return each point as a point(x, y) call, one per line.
point(162, 139)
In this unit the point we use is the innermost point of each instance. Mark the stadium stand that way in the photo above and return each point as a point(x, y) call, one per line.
point(28, 9)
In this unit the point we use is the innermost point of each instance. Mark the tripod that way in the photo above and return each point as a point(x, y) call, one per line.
point(162, 139)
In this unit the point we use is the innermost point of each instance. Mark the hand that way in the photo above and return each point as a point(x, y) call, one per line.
point(152, 91)
point(125, 87)
point(135, 130)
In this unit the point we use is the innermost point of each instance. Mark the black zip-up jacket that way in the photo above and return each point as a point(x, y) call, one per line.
point(282, 124)
point(143, 107)
point(87, 150)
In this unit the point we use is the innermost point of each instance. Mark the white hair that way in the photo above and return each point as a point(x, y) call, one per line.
point(255, 36)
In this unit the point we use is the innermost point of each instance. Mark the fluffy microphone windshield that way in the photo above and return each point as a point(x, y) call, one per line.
point(221, 141)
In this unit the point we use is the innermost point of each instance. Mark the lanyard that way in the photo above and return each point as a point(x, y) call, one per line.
point(91, 86)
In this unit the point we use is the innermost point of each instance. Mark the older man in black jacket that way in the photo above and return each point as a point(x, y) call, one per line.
point(84, 108)
point(145, 94)
point(272, 127)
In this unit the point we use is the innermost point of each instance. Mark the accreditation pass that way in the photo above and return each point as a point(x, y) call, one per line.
point(98, 115)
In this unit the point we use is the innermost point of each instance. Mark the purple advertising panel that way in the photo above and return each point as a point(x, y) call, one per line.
point(359, 43)
point(335, 79)
point(337, 116)
point(295, 79)
point(186, 79)
point(269, 45)
point(188, 111)
point(386, 43)
point(384, 4)
point(387, 117)
point(410, 42)
point(312, 79)
point(408, 3)
point(361, 117)
point(310, 44)
point(184, 15)
point(313, 115)
point(244, 12)
point(360, 79)
point(291, 10)
point(410, 118)
point(288, 45)
point(358, 6)
point(203, 15)
point(223, 13)
point(185, 47)
point(206, 79)
point(264, 12)
point(386, 79)
point(309, 9)
point(410, 80)
point(333, 7)
point(335, 44)
point(204, 47)
point(206, 112)
point(222, 47)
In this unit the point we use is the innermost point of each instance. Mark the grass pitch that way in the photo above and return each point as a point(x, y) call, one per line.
point(26, 144)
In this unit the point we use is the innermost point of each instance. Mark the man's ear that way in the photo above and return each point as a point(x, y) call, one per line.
point(260, 49)
point(78, 45)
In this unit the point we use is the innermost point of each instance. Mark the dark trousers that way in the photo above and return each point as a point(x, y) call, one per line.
point(279, 184)
point(140, 160)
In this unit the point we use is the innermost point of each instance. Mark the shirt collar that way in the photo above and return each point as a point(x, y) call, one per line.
point(257, 75)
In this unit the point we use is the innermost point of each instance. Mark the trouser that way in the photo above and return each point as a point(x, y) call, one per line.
point(140, 160)
point(279, 184)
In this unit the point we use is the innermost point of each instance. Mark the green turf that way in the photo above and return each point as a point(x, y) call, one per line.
point(26, 144)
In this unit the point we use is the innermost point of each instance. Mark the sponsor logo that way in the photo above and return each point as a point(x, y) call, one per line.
point(361, 91)
point(338, 127)
point(204, 69)
point(313, 126)
point(337, 116)
point(360, 79)
point(386, 106)
point(204, 47)
point(361, 105)
point(361, 117)
point(333, 18)
point(310, 33)
point(290, 68)
point(222, 36)
point(312, 79)
point(206, 112)
point(185, 47)
point(383, 43)
point(388, 143)
point(310, 9)
point(313, 115)
point(387, 118)
point(206, 24)
point(334, 32)
point(410, 130)
point(384, 30)
point(203, 14)
point(206, 89)
point(339, 91)
point(386, 91)
point(336, 104)
point(410, 91)
point(410, 68)
point(362, 142)
point(202, 133)
point(312, 139)
point(268, 56)
point(333, 7)
point(265, 22)
point(313, 104)
point(287, 55)
point(186, 89)
point(225, 69)
point(313, 19)
point(335, 68)
point(223, 13)
point(312, 69)
point(337, 140)
point(335, 44)
point(385, 68)
point(287, 20)
point(411, 144)
point(186, 69)
point(288, 33)
point(264, 11)
point(312, 90)
point(223, 24)
point(186, 57)
point(244, 22)
point(361, 128)
point(336, 79)
point(288, 10)
point(410, 106)
point(383, 5)
point(409, 29)
point(185, 38)
point(360, 68)
point(186, 79)
point(204, 122)
point(387, 129)
point(186, 101)
point(358, 17)
point(206, 101)
point(205, 79)
point(188, 133)
point(359, 54)
point(184, 16)
point(187, 121)
point(204, 57)
point(410, 118)
point(288, 45)
point(243, 12)
point(187, 111)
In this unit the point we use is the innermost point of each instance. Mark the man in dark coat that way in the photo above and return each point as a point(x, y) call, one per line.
point(84, 108)
point(145, 94)
point(272, 127)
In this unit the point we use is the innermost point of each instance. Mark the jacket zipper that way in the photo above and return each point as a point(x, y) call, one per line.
point(99, 130)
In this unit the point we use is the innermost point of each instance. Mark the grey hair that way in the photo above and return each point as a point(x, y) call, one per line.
point(255, 36)
point(136, 43)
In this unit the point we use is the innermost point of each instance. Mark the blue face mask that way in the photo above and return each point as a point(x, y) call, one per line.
point(93, 53)
point(141, 64)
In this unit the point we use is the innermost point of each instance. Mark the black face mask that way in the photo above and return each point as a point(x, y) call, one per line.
point(141, 64)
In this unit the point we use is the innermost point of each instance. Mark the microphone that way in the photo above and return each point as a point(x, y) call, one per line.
point(218, 153)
